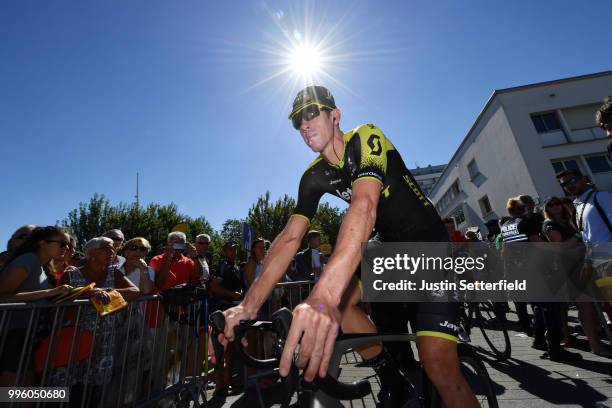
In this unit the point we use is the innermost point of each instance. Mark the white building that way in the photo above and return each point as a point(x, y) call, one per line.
point(521, 139)
point(428, 176)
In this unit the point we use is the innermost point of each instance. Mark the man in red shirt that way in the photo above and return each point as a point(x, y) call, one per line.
point(171, 267)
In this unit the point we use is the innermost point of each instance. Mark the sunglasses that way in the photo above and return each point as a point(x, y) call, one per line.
point(137, 248)
point(308, 113)
point(62, 244)
point(573, 180)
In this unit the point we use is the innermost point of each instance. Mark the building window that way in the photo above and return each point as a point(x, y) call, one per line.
point(450, 195)
point(567, 164)
point(546, 122)
point(458, 215)
point(485, 206)
point(598, 164)
point(473, 169)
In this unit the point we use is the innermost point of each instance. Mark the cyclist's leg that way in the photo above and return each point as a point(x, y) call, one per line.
point(437, 328)
point(393, 391)
point(354, 320)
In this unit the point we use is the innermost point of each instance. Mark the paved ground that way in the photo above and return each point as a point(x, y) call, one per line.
point(526, 380)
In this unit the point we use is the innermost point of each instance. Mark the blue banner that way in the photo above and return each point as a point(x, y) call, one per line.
point(248, 236)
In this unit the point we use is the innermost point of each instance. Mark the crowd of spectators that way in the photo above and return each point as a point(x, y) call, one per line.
point(583, 217)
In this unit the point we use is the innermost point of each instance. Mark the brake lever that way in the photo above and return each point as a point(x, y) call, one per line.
point(217, 321)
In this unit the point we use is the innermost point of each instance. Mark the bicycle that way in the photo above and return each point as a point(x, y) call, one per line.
point(491, 320)
point(328, 392)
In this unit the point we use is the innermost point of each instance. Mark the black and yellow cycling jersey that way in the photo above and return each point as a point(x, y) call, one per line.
point(403, 213)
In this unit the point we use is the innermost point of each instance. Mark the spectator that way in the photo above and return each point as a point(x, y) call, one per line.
point(135, 267)
point(202, 245)
point(226, 285)
point(558, 227)
point(117, 236)
point(519, 228)
point(493, 230)
point(308, 262)
point(99, 269)
point(254, 264)
point(172, 267)
point(530, 209)
point(603, 117)
point(24, 280)
point(16, 239)
point(225, 288)
point(455, 236)
point(57, 266)
point(593, 220)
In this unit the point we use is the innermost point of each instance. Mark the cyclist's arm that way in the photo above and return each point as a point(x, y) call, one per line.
point(355, 229)
point(276, 262)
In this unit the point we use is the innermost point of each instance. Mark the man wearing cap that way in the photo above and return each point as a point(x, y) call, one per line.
point(363, 168)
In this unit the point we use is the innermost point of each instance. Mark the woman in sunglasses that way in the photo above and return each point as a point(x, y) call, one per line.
point(135, 267)
point(24, 280)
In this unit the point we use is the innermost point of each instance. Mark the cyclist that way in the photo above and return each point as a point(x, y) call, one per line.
point(363, 168)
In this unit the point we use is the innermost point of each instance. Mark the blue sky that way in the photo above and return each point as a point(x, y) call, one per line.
point(92, 92)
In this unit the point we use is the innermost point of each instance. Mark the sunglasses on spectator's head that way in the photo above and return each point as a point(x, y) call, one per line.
point(62, 244)
point(137, 248)
point(308, 113)
point(573, 180)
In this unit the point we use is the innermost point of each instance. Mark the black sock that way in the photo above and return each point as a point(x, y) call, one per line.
point(386, 369)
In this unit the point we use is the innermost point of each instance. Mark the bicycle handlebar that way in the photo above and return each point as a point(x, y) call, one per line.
point(280, 324)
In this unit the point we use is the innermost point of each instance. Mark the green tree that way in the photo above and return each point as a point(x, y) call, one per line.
point(267, 218)
point(153, 222)
point(327, 221)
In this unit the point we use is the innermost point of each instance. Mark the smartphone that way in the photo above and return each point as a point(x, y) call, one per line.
point(179, 246)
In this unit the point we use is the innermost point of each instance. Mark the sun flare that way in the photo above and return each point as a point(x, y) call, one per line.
point(305, 61)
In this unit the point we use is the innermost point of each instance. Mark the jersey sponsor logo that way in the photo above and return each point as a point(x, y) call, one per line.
point(332, 182)
point(374, 145)
point(346, 194)
point(417, 191)
point(451, 326)
point(369, 174)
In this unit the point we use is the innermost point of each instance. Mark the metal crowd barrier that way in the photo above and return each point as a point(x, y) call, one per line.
point(139, 356)
point(143, 355)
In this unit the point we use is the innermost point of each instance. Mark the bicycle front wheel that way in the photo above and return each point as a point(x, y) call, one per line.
point(492, 323)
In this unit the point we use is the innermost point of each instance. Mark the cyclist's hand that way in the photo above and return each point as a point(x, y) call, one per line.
point(317, 324)
point(233, 316)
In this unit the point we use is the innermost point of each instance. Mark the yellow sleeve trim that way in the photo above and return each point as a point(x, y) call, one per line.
point(369, 178)
point(303, 216)
point(437, 334)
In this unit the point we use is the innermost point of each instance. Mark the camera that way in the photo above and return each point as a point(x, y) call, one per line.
point(179, 246)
